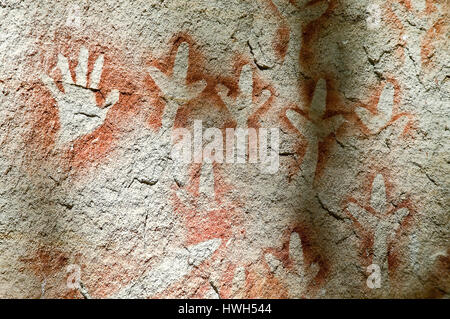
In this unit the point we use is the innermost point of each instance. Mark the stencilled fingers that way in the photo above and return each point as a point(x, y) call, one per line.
point(79, 113)
point(301, 123)
point(319, 101)
point(81, 69)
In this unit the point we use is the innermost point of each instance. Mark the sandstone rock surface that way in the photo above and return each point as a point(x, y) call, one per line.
point(93, 204)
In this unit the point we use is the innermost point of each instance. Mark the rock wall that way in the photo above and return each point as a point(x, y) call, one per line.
point(94, 204)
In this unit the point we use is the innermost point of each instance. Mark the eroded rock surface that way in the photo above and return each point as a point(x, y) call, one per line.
point(94, 204)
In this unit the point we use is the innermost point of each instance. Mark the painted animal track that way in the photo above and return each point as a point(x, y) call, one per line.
point(244, 106)
point(314, 128)
point(295, 15)
point(376, 120)
point(297, 277)
point(154, 156)
point(378, 222)
point(175, 89)
point(79, 113)
point(419, 16)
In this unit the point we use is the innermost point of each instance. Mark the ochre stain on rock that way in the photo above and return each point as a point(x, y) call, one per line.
point(45, 261)
point(90, 149)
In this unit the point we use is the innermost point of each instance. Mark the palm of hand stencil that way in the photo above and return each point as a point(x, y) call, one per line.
point(378, 221)
point(315, 128)
point(297, 277)
point(79, 113)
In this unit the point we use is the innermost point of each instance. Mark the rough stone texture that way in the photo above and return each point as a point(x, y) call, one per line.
point(90, 92)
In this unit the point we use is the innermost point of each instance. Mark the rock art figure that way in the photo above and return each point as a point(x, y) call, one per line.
point(297, 277)
point(174, 87)
point(155, 155)
point(79, 113)
point(417, 17)
point(378, 223)
point(243, 107)
point(314, 128)
point(295, 15)
point(384, 116)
